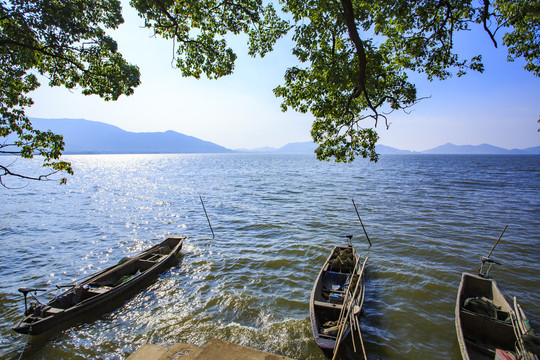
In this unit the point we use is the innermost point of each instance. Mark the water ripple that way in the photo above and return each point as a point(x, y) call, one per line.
point(275, 218)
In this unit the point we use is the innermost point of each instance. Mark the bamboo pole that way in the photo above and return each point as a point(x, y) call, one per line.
point(349, 304)
point(361, 339)
point(351, 321)
point(525, 327)
point(517, 324)
point(500, 236)
point(341, 326)
point(207, 218)
point(347, 296)
point(361, 223)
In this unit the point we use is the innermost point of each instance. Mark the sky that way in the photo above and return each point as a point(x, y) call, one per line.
point(500, 107)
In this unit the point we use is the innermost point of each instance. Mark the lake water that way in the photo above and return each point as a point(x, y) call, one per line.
point(276, 218)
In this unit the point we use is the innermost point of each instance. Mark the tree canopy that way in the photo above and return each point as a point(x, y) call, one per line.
point(354, 57)
point(66, 43)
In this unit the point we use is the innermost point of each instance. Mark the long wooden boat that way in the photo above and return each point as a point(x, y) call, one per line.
point(336, 301)
point(101, 289)
point(487, 326)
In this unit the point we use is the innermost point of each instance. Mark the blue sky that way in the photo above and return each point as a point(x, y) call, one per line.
point(500, 107)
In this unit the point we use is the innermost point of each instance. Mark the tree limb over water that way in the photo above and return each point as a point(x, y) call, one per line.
point(355, 56)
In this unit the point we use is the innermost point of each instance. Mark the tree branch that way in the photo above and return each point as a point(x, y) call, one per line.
point(485, 17)
point(47, 53)
point(6, 171)
point(175, 25)
point(348, 16)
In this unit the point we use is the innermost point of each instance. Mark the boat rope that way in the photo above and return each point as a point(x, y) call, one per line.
point(149, 336)
point(35, 296)
point(25, 343)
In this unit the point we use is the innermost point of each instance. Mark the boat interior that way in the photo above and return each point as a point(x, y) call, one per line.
point(483, 307)
point(110, 279)
point(327, 321)
point(329, 295)
point(128, 270)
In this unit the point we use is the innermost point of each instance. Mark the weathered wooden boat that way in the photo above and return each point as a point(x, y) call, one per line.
point(336, 301)
point(101, 289)
point(487, 326)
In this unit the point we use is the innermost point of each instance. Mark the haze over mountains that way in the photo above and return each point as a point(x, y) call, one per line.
point(93, 137)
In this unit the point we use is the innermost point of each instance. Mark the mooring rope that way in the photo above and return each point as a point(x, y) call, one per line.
point(25, 343)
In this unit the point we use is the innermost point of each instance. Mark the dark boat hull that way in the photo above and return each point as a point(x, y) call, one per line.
point(326, 304)
point(479, 335)
point(104, 288)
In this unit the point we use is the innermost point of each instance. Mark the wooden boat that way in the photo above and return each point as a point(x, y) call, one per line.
point(487, 326)
point(101, 289)
point(336, 300)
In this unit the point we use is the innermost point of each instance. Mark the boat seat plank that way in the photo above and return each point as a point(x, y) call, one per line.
point(487, 318)
point(335, 291)
point(153, 257)
point(54, 310)
point(98, 291)
point(147, 261)
point(327, 305)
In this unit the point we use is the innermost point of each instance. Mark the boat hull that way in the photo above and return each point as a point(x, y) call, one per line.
point(480, 330)
point(326, 301)
point(104, 290)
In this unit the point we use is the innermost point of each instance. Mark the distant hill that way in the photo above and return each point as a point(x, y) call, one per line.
point(383, 149)
point(265, 149)
point(535, 150)
point(92, 137)
point(308, 147)
point(484, 149)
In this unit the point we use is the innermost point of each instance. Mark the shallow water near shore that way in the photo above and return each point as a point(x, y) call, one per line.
point(275, 218)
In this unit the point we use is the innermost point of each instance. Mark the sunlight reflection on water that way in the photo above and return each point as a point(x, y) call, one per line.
point(275, 218)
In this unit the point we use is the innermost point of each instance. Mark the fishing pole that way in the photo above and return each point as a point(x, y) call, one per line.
point(488, 260)
point(493, 248)
point(207, 218)
point(367, 237)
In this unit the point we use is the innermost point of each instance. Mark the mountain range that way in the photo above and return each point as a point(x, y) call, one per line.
point(93, 137)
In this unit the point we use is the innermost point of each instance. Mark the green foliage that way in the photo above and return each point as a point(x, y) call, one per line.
point(66, 43)
point(523, 18)
point(355, 56)
point(200, 28)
